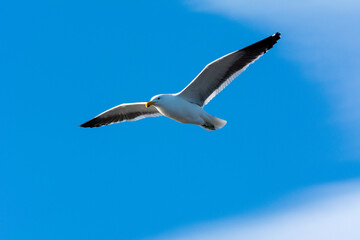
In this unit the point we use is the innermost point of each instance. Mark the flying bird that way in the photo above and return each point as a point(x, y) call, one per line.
point(187, 105)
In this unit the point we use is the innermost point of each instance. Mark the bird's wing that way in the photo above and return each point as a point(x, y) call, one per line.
point(219, 73)
point(123, 112)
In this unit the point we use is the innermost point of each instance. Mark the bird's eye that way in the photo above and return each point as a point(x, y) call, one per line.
point(158, 98)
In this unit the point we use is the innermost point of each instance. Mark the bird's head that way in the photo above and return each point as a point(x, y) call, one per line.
point(156, 100)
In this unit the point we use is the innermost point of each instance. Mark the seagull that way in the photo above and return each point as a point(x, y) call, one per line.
point(187, 105)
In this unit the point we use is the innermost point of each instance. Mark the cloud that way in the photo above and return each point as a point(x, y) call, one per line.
point(329, 212)
point(321, 35)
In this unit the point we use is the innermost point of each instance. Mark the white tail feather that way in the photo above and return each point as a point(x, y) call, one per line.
point(213, 123)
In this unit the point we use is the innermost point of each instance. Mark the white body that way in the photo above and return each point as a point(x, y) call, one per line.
point(178, 109)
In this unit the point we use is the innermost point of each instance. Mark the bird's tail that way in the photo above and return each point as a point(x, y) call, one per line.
point(212, 122)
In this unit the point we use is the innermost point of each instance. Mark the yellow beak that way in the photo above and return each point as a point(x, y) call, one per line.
point(149, 103)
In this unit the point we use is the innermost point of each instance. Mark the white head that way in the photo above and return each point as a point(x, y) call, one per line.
point(157, 100)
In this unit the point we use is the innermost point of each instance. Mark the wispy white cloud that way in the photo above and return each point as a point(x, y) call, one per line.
point(321, 35)
point(329, 212)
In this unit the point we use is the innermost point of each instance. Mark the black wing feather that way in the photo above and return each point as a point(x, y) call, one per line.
point(218, 74)
point(123, 112)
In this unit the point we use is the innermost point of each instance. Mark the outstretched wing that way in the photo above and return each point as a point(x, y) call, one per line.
point(219, 73)
point(123, 112)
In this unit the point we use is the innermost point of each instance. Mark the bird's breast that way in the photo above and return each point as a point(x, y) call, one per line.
point(182, 111)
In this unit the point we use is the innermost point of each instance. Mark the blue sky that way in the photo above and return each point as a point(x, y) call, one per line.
point(63, 63)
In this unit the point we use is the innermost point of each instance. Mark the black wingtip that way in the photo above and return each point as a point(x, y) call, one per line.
point(89, 124)
point(99, 121)
point(266, 43)
point(85, 125)
point(273, 38)
point(277, 35)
